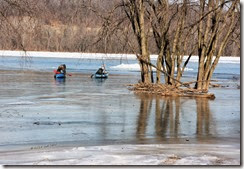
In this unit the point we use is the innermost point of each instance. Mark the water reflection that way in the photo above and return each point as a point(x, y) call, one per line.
point(60, 81)
point(166, 117)
point(169, 117)
point(203, 117)
point(59, 85)
point(99, 81)
point(145, 108)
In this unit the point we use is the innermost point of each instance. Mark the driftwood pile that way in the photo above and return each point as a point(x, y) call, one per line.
point(169, 90)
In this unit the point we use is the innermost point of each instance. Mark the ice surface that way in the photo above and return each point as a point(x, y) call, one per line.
point(151, 154)
point(223, 59)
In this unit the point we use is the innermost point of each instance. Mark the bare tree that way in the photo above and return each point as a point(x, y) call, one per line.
point(213, 40)
point(135, 11)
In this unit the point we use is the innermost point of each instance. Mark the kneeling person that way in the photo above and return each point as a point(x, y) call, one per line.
point(62, 69)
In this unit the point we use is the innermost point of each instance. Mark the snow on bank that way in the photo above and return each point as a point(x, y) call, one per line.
point(77, 55)
point(74, 55)
point(223, 59)
point(150, 154)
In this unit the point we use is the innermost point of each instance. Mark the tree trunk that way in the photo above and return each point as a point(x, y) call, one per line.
point(209, 69)
point(143, 44)
point(222, 46)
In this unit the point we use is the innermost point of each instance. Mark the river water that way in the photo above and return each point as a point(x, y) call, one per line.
point(37, 110)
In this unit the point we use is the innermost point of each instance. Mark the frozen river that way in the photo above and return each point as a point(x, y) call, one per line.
point(37, 111)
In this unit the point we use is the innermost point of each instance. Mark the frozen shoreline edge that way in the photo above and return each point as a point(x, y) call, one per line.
point(127, 154)
point(77, 55)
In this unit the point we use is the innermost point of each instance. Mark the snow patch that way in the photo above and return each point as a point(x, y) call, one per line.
point(204, 160)
point(21, 103)
point(150, 154)
point(136, 67)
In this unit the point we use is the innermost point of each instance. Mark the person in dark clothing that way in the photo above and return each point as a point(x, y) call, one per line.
point(61, 69)
point(101, 70)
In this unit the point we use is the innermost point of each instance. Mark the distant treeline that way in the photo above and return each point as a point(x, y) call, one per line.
point(73, 26)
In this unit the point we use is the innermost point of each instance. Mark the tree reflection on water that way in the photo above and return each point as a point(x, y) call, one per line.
point(174, 117)
point(203, 117)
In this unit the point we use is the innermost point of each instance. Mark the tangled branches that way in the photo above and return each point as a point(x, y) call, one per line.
point(168, 90)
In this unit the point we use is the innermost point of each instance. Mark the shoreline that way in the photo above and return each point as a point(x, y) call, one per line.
point(80, 55)
point(128, 154)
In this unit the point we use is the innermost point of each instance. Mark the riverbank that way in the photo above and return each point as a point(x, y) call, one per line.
point(78, 55)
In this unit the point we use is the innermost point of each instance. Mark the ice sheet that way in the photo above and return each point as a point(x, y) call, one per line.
point(151, 154)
